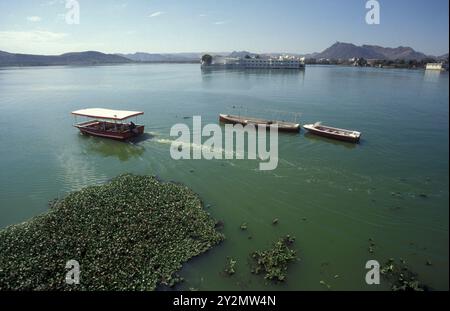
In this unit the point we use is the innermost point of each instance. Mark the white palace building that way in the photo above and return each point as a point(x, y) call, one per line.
point(435, 66)
point(282, 62)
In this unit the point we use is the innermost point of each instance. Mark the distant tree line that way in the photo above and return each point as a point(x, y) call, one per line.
point(207, 59)
point(382, 63)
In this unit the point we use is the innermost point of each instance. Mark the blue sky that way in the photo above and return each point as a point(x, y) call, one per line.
point(296, 26)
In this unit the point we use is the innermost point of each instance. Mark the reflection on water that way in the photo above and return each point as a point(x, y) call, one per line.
point(123, 151)
point(142, 138)
point(262, 71)
point(258, 70)
point(317, 138)
point(432, 75)
point(76, 173)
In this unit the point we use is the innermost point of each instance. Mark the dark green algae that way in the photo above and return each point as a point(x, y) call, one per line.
point(133, 233)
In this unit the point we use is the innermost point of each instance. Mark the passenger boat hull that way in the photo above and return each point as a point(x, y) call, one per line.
point(282, 126)
point(328, 133)
point(90, 129)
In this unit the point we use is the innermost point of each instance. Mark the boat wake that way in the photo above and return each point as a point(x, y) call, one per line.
point(192, 146)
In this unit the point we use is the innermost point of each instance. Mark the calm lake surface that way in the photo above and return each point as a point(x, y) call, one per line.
point(333, 197)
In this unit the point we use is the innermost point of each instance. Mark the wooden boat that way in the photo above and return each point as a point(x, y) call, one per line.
point(333, 133)
point(282, 125)
point(109, 123)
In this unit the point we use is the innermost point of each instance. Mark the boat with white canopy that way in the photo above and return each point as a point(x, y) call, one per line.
point(113, 124)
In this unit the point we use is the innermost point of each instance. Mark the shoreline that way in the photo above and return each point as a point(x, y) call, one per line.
point(212, 68)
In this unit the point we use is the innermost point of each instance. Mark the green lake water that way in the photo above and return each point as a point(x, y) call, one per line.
point(333, 197)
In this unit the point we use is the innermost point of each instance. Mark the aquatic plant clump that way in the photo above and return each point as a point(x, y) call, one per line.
point(230, 267)
point(401, 277)
point(274, 262)
point(132, 233)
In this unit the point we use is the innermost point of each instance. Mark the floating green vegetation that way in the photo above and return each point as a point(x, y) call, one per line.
point(371, 246)
point(230, 267)
point(401, 277)
point(323, 283)
point(274, 262)
point(132, 233)
point(173, 281)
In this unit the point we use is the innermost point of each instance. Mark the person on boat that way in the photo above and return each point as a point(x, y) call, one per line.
point(132, 127)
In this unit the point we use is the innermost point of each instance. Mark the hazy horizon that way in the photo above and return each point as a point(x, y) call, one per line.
point(171, 26)
point(219, 52)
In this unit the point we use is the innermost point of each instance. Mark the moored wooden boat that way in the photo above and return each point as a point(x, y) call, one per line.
point(109, 123)
point(333, 133)
point(282, 125)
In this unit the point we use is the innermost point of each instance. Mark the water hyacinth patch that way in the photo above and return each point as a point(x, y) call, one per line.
point(244, 226)
point(274, 262)
point(132, 233)
point(401, 277)
point(230, 267)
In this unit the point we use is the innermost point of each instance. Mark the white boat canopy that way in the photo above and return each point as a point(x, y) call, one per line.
point(102, 113)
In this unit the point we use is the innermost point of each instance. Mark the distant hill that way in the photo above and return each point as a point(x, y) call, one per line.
point(79, 58)
point(348, 50)
point(401, 52)
point(443, 57)
point(338, 50)
point(170, 58)
point(241, 54)
point(180, 57)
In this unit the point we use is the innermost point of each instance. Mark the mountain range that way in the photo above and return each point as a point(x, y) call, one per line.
point(80, 58)
point(339, 50)
point(173, 57)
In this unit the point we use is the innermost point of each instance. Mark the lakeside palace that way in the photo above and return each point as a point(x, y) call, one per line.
point(282, 62)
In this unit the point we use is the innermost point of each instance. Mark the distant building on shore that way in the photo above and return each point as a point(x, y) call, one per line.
point(282, 62)
point(435, 66)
